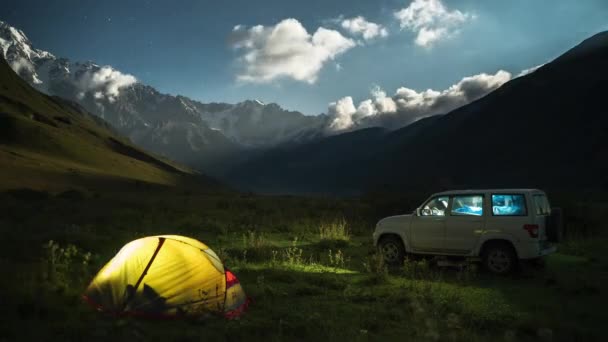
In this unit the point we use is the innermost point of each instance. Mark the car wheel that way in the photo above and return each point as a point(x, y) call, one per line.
point(499, 259)
point(392, 250)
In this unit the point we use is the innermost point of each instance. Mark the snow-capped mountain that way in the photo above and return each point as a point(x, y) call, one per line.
point(201, 134)
point(255, 124)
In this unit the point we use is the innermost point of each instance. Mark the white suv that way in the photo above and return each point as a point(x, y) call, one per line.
point(501, 226)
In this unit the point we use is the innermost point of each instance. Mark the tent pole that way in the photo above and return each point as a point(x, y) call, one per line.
point(161, 241)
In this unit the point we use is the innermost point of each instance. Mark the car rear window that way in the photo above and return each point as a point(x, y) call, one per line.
point(467, 205)
point(509, 205)
point(541, 205)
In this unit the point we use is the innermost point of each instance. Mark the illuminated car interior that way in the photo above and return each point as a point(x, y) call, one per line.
point(508, 205)
point(467, 205)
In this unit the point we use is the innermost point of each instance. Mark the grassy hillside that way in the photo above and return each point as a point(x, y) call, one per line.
point(51, 144)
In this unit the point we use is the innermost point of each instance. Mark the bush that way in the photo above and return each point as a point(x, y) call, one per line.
point(376, 266)
point(334, 231)
point(65, 265)
point(337, 259)
point(254, 240)
point(293, 255)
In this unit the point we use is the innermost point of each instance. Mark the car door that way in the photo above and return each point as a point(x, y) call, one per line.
point(428, 228)
point(465, 223)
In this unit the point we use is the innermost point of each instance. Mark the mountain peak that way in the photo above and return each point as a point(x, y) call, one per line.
point(141, 112)
point(598, 41)
point(251, 103)
point(10, 36)
point(10, 33)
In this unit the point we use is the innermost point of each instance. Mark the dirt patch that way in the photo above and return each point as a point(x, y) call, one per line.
point(43, 119)
point(28, 194)
point(8, 129)
point(131, 152)
point(63, 119)
point(18, 105)
point(72, 195)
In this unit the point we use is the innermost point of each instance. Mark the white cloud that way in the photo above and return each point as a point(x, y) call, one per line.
point(22, 64)
point(342, 112)
point(409, 105)
point(104, 82)
point(431, 21)
point(430, 102)
point(364, 28)
point(286, 50)
point(344, 115)
point(529, 70)
point(383, 103)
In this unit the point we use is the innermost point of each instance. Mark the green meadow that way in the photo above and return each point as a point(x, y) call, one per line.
point(307, 263)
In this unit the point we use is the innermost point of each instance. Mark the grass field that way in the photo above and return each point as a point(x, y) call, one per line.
point(307, 263)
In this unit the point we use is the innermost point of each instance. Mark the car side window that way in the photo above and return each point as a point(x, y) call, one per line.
point(435, 207)
point(542, 206)
point(471, 205)
point(509, 205)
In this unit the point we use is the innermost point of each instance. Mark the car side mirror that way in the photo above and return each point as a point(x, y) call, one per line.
point(417, 212)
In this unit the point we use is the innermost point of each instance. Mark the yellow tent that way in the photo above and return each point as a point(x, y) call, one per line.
point(166, 276)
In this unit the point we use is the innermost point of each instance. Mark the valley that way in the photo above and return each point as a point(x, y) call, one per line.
point(92, 158)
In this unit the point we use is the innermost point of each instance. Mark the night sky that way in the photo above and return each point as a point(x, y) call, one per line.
point(210, 50)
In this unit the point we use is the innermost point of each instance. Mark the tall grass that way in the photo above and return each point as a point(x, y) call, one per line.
point(65, 265)
point(376, 267)
point(254, 240)
point(334, 231)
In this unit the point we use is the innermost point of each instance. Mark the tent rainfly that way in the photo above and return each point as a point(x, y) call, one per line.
point(166, 276)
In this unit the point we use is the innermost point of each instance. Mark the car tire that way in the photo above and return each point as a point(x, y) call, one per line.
point(392, 250)
point(499, 258)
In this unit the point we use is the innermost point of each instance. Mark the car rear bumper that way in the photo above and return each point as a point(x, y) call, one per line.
point(537, 249)
point(548, 250)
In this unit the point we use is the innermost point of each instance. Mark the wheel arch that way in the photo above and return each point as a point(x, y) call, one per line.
point(497, 241)
point(385, 235)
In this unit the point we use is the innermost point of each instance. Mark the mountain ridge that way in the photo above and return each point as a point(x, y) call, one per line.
point(213, 134)
point(50, 143)
point(546, 129)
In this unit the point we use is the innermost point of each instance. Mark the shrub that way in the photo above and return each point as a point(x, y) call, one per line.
point(334, 231)
point(64, 265)
point(423, 270)
point(254, 240)
point(293, 255)
point(376, 266)
point(337, 259)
